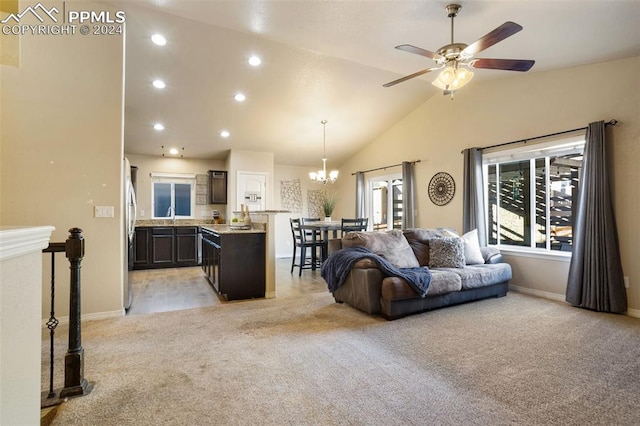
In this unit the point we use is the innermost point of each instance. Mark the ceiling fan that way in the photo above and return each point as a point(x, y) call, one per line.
point(454, 58)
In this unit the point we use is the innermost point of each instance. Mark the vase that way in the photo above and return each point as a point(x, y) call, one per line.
point(327, 218)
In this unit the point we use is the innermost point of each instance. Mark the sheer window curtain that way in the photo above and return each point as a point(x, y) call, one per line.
point(473, 215)
point(595, 274)
point(408, 195)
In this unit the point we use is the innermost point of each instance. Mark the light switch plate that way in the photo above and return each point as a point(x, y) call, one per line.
point(103, 211)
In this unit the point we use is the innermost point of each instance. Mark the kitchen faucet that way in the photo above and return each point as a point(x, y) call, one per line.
point(171, 212)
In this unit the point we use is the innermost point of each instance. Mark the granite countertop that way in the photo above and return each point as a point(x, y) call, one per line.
point(179, 222)
point(257, 228)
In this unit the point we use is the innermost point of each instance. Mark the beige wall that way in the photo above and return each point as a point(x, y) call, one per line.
point(61, 132)
point(248, 161)
point(147, 165)
point(284, 240)
point(524, 105)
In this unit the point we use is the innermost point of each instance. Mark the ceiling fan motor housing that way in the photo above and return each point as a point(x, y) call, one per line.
point(451, 51)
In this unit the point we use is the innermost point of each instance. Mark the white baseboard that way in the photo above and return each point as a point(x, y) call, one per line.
point(88, 317)
point(635, 313)
point(538, 293)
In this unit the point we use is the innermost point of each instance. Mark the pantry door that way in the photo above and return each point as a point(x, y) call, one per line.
point(251, 190)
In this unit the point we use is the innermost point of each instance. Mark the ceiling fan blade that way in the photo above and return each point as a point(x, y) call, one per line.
point(503, 64)
point(418, 51)
point(415, 74)
point(503, 31)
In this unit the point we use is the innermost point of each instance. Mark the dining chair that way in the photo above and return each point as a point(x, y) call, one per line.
point(303, 240)
point(309, 232)
point(358, 224)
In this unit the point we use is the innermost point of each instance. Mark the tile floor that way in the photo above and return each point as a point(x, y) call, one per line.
point(161, 290)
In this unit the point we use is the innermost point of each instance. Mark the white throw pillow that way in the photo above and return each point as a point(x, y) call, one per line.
point(472, 253)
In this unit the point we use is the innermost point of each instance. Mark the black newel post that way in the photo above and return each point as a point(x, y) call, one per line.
point(74, 382)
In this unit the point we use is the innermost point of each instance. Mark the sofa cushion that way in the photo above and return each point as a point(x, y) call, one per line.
point(442, 282)
point(474, 276)
point(391, 245)
point(446, 252)
point(418, 239)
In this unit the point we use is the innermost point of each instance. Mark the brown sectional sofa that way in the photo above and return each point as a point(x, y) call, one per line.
point(368, 289)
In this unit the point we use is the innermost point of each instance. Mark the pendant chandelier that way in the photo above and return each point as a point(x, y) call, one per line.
point(321, 175)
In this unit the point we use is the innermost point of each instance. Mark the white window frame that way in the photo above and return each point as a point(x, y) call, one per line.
point(369, 198)
point(549, 147)
point(173, 178)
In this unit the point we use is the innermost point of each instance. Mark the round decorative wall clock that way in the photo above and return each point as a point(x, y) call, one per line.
point(441, 188)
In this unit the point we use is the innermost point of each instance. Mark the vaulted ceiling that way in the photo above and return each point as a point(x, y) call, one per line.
point(327, 60)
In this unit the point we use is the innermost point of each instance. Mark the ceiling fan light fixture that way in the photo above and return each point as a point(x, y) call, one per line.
point(453, 78)
point(447, 75)
point(463, 76)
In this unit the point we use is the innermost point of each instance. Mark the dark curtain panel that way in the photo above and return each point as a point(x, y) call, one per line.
point(360, 194)
point(595, 274)
point(408, 197)
point(473, 216)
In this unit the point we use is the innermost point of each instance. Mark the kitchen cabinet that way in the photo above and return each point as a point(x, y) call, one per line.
point(217, 187)
point(162, 246)
point(166, 247)
point(186, 245)
point(141, 248)
point(234, 263)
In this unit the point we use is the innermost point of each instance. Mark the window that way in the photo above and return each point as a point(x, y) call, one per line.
point(172, 194)
point(530, 193)
point(385, 202)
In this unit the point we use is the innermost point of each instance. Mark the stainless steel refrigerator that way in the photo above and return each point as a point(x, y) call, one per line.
point(130, 209)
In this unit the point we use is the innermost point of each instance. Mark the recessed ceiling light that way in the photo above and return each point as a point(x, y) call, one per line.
point(159, 84)
point(225, 134)
point(240, 97)
point(158, 126)
point(159, 39)
point(173, 151)
point(255, 61)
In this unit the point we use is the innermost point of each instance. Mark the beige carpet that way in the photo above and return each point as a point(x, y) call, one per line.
point(513, 360)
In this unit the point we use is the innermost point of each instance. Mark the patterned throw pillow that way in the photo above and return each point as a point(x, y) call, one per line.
point(391, 245)
point(419, 238)
point(446, 252)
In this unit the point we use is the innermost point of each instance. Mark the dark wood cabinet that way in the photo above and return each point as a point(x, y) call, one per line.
point(211, 257)
point(186, 245)
point(166, 247)
point(141, 248)
point(162, 252)
point(217, 187)
point(235, 263)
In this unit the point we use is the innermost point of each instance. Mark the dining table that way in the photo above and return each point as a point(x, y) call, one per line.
point(323, 227)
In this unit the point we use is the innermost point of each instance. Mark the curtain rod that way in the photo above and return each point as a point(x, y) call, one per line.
point(612, 122)
point(385, 167)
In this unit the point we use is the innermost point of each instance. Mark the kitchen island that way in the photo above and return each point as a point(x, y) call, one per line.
point(234, 260)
